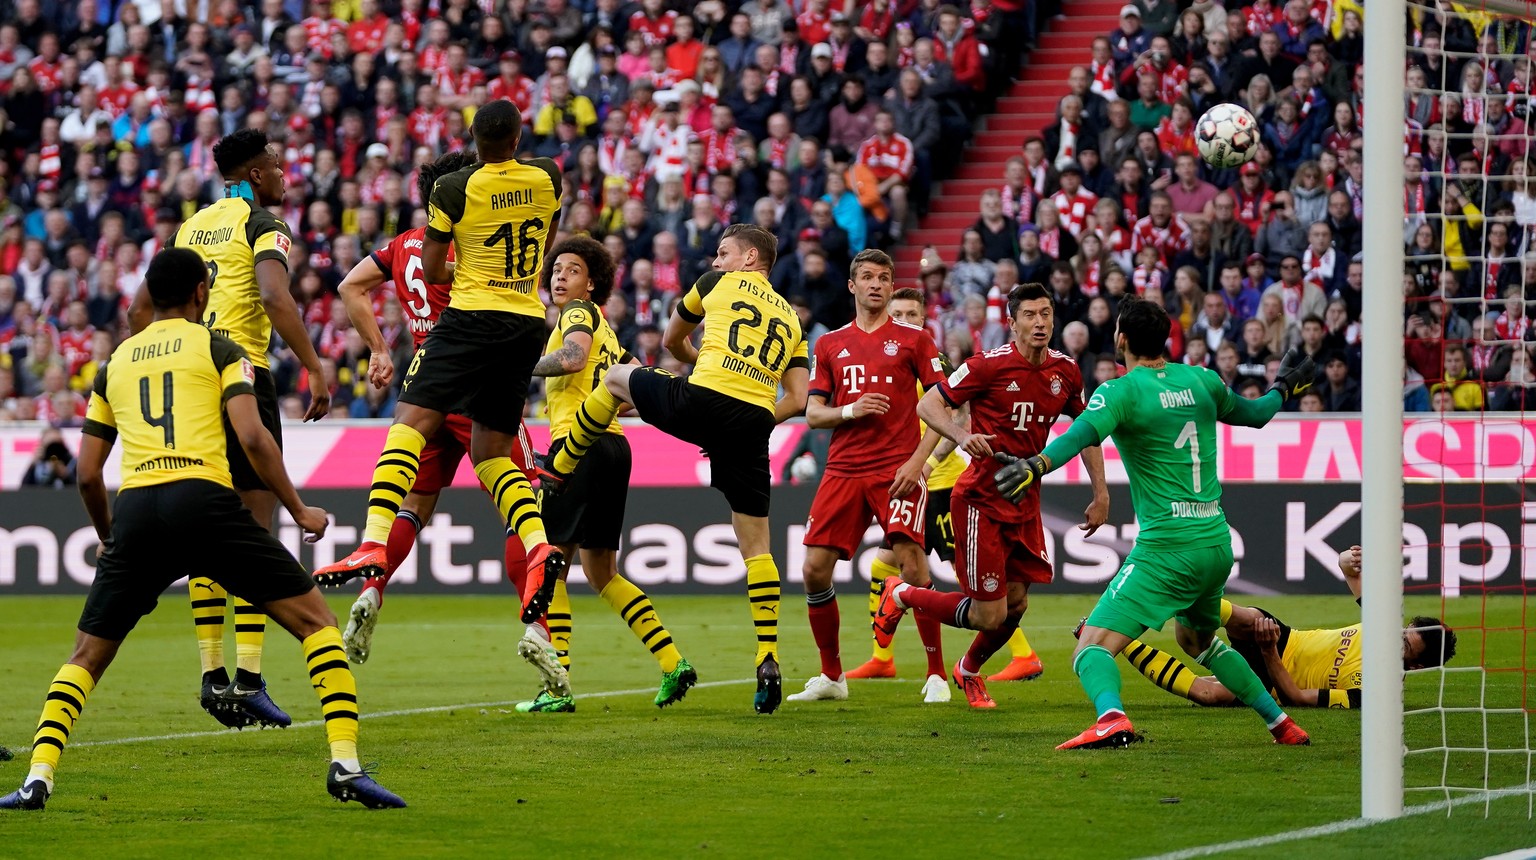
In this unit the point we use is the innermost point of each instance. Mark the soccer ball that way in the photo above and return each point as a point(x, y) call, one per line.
point(1227, 136)
point(804, 470)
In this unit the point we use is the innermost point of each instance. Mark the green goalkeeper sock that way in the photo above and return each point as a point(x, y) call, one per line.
point(1100, 677)
point(1236, 675)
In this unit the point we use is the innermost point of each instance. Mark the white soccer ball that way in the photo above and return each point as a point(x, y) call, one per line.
point(1227, 136)
point(804, 469)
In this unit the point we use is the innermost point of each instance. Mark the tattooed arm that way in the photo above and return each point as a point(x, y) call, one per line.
point(569, 358)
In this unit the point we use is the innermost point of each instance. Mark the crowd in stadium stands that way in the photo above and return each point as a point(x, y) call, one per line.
point(827, 122)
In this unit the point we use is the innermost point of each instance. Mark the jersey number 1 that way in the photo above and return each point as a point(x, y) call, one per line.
point(166, 421)
point(1190, 436)
point(523, 255)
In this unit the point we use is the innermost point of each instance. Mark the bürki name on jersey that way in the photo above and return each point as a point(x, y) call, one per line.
point(210, 237)
point(1176, 399)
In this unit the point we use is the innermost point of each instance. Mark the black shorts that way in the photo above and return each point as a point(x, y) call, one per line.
point(939, 532)
point(241, 472)
point(184, 528)
point(589, 511)
point(479, 364)
point(733, 433)
point(1255, 655)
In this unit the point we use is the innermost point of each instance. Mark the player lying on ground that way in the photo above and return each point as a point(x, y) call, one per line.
point(1300, 667)
point(498, 214)
point(752, 344)
point(246, 249)
point(423, 303)
point(865, 383)
point(945, 466)
point(589, 514)
point(1016, 392)
point(1163, 418)
point(166, 392)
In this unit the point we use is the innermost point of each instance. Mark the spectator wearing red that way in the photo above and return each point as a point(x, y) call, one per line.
point(1072, 130)
point(320, 26)
point(1176, 132)
point(1073, 202)
point(684, 52)
point(889, 155)
point(511, 84)
point(1018, 195)
point(456, 80)
point(953, 44)
point(815, 22)
point(720, 139)
point(1157, 61)
point(1252, 198)
point(366, 34)
point(1162, 229)
point(1512, 323)
point(654, 24)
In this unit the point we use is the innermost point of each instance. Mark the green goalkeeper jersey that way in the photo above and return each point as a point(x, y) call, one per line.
point(1163, 421)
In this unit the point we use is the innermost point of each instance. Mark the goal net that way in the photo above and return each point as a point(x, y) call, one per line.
point(1467, 190)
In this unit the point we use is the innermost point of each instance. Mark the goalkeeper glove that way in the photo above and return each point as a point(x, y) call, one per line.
point(1017, 475)
point(1296, 374)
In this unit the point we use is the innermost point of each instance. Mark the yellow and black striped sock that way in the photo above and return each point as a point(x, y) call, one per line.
point(636, 610)
point(764, 591)
point(1018, 645)
point(878, 571)
point(592, 421)
point(393, 477)
point(512, 493)
point(559, 620)
point(250, 633)
point(1160, 667)
point(61, 710)
point(332, 679)
point(208, 606)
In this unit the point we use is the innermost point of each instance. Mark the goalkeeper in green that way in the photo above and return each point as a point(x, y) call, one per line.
point(1163, 418)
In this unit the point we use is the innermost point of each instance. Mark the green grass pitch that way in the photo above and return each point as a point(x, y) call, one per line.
point(881, 775)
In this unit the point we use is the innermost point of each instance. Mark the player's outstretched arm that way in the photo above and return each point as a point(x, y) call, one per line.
point(823, 417)
point(267, 459)
point(1349, 565)
point(93, 486)
point(272, 279)
point(1097, 513)
point(364, 278)
point(796, 381)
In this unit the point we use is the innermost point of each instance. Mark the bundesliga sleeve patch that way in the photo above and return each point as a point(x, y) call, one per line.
point(248, 370)
point(938, 364)
point(282, 242)
point(959, 375)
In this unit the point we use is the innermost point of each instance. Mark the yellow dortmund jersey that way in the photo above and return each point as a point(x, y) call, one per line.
point(498, 217)
point(232, 236)
point(948, 471)
point(752, 336)
point(1325, 660)
point(164, 392)
point(566, 393)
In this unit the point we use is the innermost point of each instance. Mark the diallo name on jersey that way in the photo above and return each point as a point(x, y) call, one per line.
point(508, 199)
point(210, 237)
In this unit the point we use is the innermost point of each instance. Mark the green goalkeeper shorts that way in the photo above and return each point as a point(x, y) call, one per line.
point(1156, 585)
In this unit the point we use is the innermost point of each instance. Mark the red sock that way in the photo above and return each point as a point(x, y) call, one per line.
point(824, 627)
point(376, 583)
point(932, 634)
point(943, 606)
point(515, 562)
point(986, 643)
point(402, 536)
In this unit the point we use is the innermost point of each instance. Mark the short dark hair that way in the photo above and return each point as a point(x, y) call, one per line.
point(910, 294)
point(1025, 293)
point(874, 256)
point(599, 263)
point(1314, 318)
point(428, 174)
point(1439, 641)
point(235, 151)
point(1145, 326)
point(753, 236)
point(497, 122)
point(173, 276)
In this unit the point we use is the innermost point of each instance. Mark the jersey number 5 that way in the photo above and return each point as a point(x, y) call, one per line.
point(523, 254)
point(417, 287)
point(166, 420)
point(774, 350)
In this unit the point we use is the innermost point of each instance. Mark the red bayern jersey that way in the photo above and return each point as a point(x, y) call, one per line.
point(893, 360)
point(656, 31)
point(887, 158)
point(421, 301)
point(1015, 402)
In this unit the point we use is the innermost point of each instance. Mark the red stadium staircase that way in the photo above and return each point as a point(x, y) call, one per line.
point(1024, 110)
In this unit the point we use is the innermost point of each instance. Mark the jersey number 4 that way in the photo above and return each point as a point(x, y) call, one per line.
point(523, 253)
point(774, 351)
point(166, 421)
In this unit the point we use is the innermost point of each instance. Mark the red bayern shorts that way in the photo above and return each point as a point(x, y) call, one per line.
point(844, 507)
point(445, 450)
point(990, 554)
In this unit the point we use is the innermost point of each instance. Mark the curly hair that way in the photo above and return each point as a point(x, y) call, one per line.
point(428, 175)
point(599, 263)
point(235, 151)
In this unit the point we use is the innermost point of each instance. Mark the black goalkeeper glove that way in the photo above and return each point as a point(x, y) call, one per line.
point(1017, 475)
point(1296, 374)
